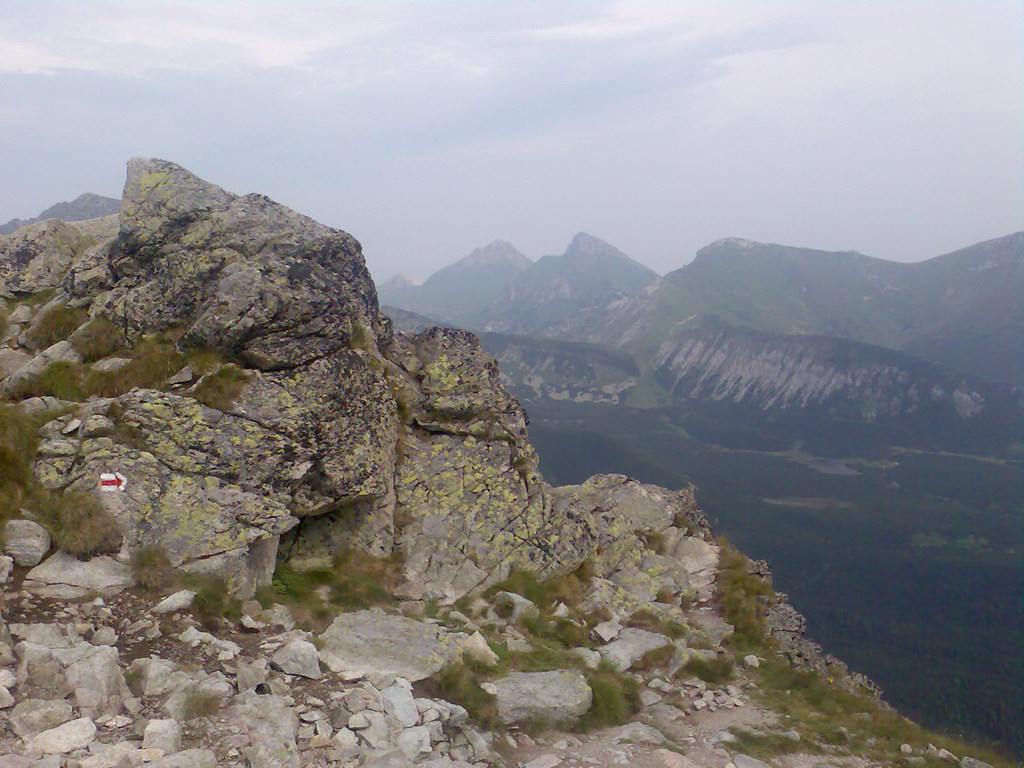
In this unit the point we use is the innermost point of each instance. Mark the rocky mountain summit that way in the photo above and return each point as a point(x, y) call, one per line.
point(245, 523)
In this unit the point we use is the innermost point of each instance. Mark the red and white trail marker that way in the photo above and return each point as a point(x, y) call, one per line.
point(113, 481)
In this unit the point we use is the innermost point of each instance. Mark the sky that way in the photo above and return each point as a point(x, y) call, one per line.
point(429, 128)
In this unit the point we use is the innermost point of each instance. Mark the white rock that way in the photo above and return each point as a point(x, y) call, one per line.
point(475, 647)
point(25, 541)
point(179, 601)
point(555, 696)
point(162, 734)
point(63, 577)
point(75, 734)
point(631, 645)
point(415, 742)
point(399, 703)
point(607, 631)
point(751, 661)
point(6, 564)
point(6, 699)
point(298, 657)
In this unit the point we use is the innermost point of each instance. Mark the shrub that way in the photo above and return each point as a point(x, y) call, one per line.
point(715, 671)
point(97, 339)
point(213, 601)
point(616, 699)
point(152, 568)
point(220, 390)
point(61, 379)
point(459, 683)
point(53, 325)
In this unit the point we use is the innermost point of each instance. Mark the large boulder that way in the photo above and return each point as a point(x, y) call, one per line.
point(364, 643)
point(64, 577)
point(26, 541)
point(559, 696)
point(38, 257)
point(271, 727)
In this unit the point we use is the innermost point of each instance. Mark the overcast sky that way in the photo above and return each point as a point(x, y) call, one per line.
point(428, 128)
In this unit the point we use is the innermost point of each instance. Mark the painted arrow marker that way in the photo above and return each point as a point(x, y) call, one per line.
point(113, 481)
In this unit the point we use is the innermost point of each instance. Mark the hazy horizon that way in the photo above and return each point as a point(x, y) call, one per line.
point(429, 129)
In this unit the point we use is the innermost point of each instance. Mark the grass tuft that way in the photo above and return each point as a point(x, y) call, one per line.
point(154, 359)
point(61, 379)
point(715, 671)
point(78, 522)
point(220, 390)
point(743, 596)
point(152, 568)
point(616, 699)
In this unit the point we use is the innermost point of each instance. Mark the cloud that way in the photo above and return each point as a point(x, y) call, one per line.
point(423, 126)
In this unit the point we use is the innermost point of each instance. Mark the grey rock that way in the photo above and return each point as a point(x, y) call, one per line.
point(6, 699)
point(62, 351)
point(637, 733)
point(298, 657)
point(400, 704)
point(162, 734)
point(72, 735)
point(415, 742)
point(745, 761)
point(970, 762)
point(631, 646)
point(6, 564)
point(33, 716)
point(62, 576)
point(111, 364)
point(272, 728)
point(367, 643)
point(26, 542)
point(179, 601)
point(394, 759)
point(558, 696)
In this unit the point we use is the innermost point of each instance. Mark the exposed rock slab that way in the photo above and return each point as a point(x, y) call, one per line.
point(365, 643)
point(65, 577)
point(558, 696)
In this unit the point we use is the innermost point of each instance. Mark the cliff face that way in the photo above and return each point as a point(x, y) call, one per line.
point(340, 433)
point(803, 371)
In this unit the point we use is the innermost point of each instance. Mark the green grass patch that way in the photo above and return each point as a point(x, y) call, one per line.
point(644, 619)
point(53, 325)
point(460, 683)
point(18, 441)
point(154, 359)
point(213, 601)
point(716, 671)
point(616, 699)
point(61, 379)
point(97, 339)
point(744, 596)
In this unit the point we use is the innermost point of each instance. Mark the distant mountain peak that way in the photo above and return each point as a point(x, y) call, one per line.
point(495, 252)
point(584, 244)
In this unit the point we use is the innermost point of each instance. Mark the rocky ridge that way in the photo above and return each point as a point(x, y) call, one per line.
point(227, 357)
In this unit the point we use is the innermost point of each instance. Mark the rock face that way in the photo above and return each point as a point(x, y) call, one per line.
point(342, 434)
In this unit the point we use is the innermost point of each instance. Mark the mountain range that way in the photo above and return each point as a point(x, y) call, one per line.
point(961, 310)
point(82, 208)
point(856, 421)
